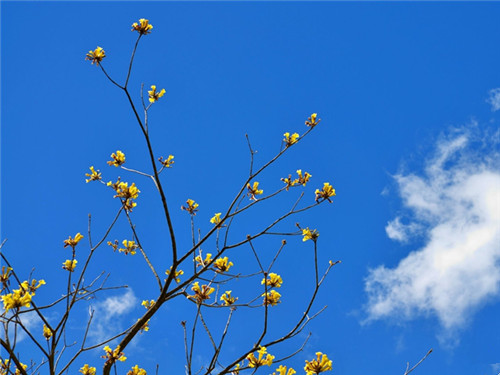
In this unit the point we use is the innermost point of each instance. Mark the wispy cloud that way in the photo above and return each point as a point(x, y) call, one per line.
point(454, 203)
point(108, 315)
point(494, 99)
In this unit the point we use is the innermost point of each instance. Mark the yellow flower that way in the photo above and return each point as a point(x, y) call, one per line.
point(303, 179)
point(129, 204)
point(114, 245)
point(93, 176)
point(253, 190)
point(128, 247)
point(261, 360)
point(5, 367)
point(148, 304)
point(320, 364)
point(177, 274)
point(69, 265)
point(96, 56)
point(32, 287)
point(192, 207)
point(168, 162)
point(325, 193)
point(311, 121)
point(118, 159)
point(289, 182)
point(145, 326)
point(113, 355)
point(200, 262)
point(126, 193)
point(290, 139)
point(271, 298)
point(155, 95)
point(18, 298)
point(227, 298)
point(4, 276)
point(236, 369)
point(201, 294)
point(18, 372)
point(47, 333)
point(73, 241)
point(282, 371)
point(274, 281)
point(309, 235)
point(216, 219)
point(222, 264)
point(86, 370)
point(143, 27)
point(21, 297)
point(137, 371)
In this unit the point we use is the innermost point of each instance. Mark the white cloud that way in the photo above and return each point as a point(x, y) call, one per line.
point(398, 231)
point(107, 314)
point(494, 99)
point(455, 203)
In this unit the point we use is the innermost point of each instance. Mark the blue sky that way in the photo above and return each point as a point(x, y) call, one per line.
point(409, 139)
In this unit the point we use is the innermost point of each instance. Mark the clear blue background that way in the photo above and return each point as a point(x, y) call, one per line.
point(386, 79)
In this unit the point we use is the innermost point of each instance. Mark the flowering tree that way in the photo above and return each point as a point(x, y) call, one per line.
point(203, 280)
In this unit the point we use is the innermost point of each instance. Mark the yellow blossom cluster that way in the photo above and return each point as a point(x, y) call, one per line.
point(33, 286)
point(21, 297)
point(4, 276)
point(177, 274)
point(318, 365)
point(309, 235)
point(114, 245)
point(168, 162)
point(302, 179)
point(254, 190)
point(143, 27)
point(93, 175)
point(137, 371)
point(118, 159)
point(5, 367)
point(325, 193)
point(148, 304)
point(73, 241)
point(274, 281)
point(69, 265)
point(96, 56)
point(112, 356)
point(312, 121)
point(155, 95)
point(263, 359)
point(236, 369)
point(282, 370)
point(128, 247)
point(216, 218)
point(125, 192)
point(290, 139)
point(200, 262)
point(227, 298)
point(47, 332)
point(271, 298)
point(86, 370)
point(191, 208)
point(201, 294)
point(222, 264)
